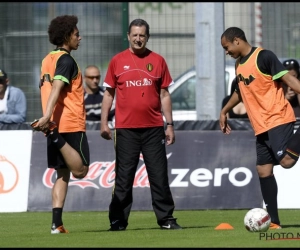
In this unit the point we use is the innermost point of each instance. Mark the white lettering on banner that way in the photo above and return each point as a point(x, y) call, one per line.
point(181, 173)
point(220, 171)
point(237, 183)
point(200, 177)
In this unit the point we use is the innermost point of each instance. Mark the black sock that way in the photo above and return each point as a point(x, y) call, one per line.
point(268, 186)
point(57, 138)
point(57, 217)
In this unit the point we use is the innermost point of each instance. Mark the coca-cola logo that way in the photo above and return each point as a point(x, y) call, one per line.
point(9, 176)
point(101, 174)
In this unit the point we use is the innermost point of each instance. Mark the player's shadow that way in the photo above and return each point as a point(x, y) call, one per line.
point(158, 228)
point(289, 226)
point(148, 228)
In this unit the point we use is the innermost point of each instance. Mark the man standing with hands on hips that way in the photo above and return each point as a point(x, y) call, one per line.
point(140, 79)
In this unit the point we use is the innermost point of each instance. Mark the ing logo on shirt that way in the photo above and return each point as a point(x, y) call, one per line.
point(139, 83)
point(149, 67)
point(246, 81)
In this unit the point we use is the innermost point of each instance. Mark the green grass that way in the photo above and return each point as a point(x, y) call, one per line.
point(89, 229)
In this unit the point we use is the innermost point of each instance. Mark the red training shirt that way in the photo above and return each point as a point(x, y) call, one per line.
point(138, 80)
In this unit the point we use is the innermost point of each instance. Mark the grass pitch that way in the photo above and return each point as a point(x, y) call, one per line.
point(89, 229)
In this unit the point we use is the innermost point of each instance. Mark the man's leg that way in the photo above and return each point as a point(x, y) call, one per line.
point(59, 193)
point(71, 156)
point(264, 166)
point(127, 157)
point(154, 153)
point(74, 161)
point(269, 190)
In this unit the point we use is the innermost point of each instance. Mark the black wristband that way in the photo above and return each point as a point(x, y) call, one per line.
point(170, 123)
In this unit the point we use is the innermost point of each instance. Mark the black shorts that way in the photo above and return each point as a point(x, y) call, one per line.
point(271, 145)
point(76, 140)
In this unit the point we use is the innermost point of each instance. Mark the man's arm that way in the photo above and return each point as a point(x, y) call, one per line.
point(43, 122)
point(107, 101)
point(232, 102)
point(166, 103)
point(292, 82)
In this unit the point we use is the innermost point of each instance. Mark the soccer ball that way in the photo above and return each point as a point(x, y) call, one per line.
point(257, 220)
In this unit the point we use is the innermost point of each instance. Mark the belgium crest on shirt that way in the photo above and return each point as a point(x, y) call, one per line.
point(149, 67)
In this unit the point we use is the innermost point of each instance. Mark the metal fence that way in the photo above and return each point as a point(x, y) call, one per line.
point(103, 26)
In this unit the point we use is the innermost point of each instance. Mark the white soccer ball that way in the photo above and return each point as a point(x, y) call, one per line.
point(257, 220)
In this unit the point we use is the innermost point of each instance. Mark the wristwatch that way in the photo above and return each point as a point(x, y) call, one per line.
point(170, 123)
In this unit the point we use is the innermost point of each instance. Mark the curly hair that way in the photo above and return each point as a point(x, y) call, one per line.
point(234, 32)
point(61, 28)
